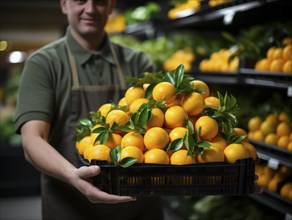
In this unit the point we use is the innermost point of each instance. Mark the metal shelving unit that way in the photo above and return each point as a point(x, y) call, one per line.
point(244, 77)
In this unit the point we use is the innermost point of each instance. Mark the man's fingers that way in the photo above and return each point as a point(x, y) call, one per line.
point(86, 172)
point(100, 196)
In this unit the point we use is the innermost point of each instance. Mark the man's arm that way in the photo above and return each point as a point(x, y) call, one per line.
point(47, 160)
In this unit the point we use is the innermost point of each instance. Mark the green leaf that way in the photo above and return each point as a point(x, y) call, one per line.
point(115, 154)
point(189, 125)
point(85, 122)
point(102, 137)
point(204, 144)
point(169, 77)
point(148, 92)
point(144, 117)
point(175, 145)
point(100, 130)
point(189, 142)
point(179, 75)
point(127, 162)
point(238, 139)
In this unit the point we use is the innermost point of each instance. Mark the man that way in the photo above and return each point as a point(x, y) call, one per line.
point(61, 83)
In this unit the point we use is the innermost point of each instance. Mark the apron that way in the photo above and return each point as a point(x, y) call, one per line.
point(61, 201)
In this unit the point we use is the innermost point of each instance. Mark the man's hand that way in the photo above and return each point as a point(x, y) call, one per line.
point(83, 182)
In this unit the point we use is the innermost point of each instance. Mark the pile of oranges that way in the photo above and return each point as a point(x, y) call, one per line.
point(171, 119)
point(274, 129)
point(219, 61)
point(278, 59)
point(275, 180)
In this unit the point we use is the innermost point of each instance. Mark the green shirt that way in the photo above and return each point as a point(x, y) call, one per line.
point(46, 82)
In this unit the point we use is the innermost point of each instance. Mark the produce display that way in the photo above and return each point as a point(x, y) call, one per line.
point(185, 57)
point(182, 8)
point(278, 58)
point(223, 60)
point(274, 129)
point(165, 118)
point(277, 181)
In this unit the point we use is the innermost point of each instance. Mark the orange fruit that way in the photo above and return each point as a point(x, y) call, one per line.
point(258, 136)
point(272, 118)
point(100, 152)
point(267, 128)
point(251, 150)
point(199, 84)
point(156, 119)
point(137, 104)
point(233, 65)
point(177, 101)
point(283, 141)
point(87, 150)
point(270, 53)
point(277, 65)
point(113, 140)
point(287, 40)
point(157, 156)
point(122, 102)
point(287, 52)
point(118, 116)
point(271, 138)
point(278, 53)
point(286, 188)
point(283, 129)
point(164, 91)
point(212, 101)
point(283, 117)
point(83, 143)
point(234, 152)
point(287, 68)
point(263, 65)
point(211, 154)
point(134, 93)
point(133, 139)
point(289, 147)
point(132, 151)
point(193, 104)
point(181, 157)
point(175, 116)
point(178, 132)
point(273, 184)
point(240, 132)
point(156, 137)
point(209, 127)
point(254, 123)
point(105, 109)
point(218, 142)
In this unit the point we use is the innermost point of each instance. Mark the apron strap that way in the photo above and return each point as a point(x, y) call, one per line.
point(73, 67)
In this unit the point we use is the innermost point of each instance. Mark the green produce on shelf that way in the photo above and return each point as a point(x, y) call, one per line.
point(142, 13)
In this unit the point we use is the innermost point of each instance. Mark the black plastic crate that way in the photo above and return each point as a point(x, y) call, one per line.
point(144, 180)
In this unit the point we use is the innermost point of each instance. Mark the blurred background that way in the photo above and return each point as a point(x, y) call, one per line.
point(238, 33)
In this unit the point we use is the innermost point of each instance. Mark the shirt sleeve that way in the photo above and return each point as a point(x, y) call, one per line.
point(35, 98)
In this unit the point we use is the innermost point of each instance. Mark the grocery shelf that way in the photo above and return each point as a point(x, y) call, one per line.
point(217, 77)
point(207, 13)
point(273, 154)
point(266, 79)
point(274, 201)
point(248, 77)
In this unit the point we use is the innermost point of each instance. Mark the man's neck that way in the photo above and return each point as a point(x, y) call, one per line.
point(90, 43)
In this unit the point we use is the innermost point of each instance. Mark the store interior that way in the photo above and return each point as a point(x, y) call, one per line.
point(223, 43)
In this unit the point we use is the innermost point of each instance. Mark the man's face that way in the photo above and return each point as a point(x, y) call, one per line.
point(87, 17)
